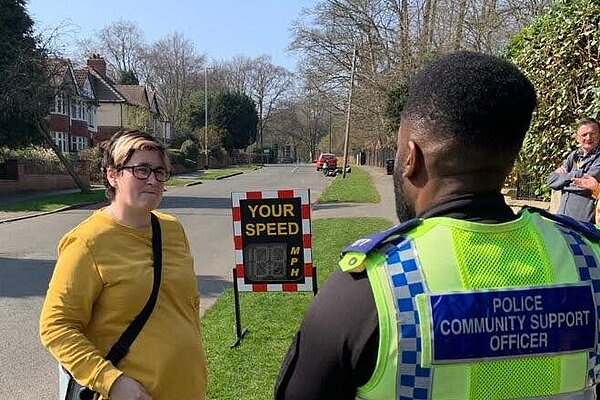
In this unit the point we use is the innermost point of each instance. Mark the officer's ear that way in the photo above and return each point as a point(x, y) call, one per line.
point(413, 163)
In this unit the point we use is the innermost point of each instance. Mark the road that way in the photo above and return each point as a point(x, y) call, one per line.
point(28, 251)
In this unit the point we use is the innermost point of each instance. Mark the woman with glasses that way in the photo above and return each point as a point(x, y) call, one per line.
point(103, 278)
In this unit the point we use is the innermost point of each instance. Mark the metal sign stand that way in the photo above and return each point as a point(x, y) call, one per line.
point(238, 322)
point(314, 274)
point(236, 299)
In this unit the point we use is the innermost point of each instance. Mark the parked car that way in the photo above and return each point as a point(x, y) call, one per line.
point(328, 158)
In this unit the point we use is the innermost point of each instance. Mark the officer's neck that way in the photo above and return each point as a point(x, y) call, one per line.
point(436, 189)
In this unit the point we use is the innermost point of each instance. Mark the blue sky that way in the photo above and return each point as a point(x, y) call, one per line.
point(221, 29)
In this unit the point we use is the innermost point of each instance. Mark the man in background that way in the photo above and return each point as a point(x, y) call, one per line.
point(576, 201)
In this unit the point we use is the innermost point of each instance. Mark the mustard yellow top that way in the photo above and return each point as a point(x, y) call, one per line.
point(596, 195)
point(102, 280)
point(596, 192)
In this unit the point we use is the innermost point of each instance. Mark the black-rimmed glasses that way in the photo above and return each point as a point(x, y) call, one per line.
point(144, 171)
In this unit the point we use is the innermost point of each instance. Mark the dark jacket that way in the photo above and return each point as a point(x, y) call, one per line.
point(577, 202)
point(335, 350)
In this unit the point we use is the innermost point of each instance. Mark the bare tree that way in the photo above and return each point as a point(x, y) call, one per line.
point(175, 70)
point(268, 83)
point(301, 120)
point(122, 45)
point(394, 39)
point(457, 33)
point(234, 75)
point(336, 27)
point(258, 78)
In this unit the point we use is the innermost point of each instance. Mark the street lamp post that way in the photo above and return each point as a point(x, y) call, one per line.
point(206, 118)
point(330, 129)
point(347, 138)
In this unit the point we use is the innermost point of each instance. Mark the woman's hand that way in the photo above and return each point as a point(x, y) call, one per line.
point(126, 388)
point(586, 182)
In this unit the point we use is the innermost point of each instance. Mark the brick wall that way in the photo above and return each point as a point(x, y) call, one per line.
point(41, 182)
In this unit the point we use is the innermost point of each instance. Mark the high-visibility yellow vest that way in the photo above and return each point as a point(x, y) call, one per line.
point(483, 311)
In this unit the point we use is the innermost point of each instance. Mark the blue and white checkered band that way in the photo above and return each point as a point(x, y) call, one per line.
point(406, 281)
point(589, 271)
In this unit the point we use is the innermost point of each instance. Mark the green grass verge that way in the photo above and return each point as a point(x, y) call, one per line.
point(357, 187)
point(219, 173)
point(179, 182)
point(54, 202)
point(223, 172)
point(250, 167)
point(250, 370)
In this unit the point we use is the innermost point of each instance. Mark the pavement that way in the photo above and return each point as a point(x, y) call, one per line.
point(387, 207)
point(384, 209)
point(14, 198)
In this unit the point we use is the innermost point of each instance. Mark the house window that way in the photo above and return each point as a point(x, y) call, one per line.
point(74, 109)
point(60, 139)
point(78, 143)
point(78, 110)
point(59, 104)
point(91, 116)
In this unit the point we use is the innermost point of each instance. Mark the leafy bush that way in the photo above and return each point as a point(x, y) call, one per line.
point(177, 141)
point(219, 153)
point(4, 154)
point(217, 138)
point(94, 156)
point(190, 151)
point(560, 54)
point(175, 156)
point(37, 153)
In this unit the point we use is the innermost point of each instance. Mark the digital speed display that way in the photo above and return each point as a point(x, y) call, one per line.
point(266, 262)
point(272, 240)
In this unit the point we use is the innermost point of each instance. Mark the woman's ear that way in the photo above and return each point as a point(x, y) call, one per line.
point(111, 176)
point(412, 163)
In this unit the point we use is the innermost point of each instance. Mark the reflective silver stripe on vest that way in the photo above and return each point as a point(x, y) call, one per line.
point(406, 281)
point(586, 264)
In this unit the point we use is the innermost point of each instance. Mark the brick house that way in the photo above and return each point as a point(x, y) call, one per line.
point(73, 115)
point(124, 106)
point(89, 106)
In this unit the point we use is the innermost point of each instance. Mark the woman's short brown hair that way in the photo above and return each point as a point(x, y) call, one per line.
point(119, 149)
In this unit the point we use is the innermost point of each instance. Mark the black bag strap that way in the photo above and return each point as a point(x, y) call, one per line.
point(121, 347)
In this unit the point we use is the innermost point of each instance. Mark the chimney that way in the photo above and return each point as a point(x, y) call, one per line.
point(98, 63)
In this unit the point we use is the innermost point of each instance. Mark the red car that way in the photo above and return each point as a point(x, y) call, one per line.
point(328, 158)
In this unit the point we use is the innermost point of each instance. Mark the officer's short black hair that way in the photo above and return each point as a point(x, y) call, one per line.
point(469, 101)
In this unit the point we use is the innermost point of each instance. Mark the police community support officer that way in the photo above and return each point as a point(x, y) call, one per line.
point(468, 300)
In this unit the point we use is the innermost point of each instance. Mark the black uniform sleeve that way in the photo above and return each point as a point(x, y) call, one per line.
point(335, 350)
